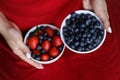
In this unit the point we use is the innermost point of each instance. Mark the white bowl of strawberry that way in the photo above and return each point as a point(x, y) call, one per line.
point(45, 43)
point(82, 32)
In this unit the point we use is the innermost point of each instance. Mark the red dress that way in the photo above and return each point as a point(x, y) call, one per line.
point(102, 64)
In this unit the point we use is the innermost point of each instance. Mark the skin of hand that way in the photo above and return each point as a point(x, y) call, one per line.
point(100, 8)
point(13, 37)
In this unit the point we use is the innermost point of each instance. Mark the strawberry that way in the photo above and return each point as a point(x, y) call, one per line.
point(46, 45)
point(36, 52)
point(49, 31)
point(44, 57)
point(54, 52)
point(33, 42)
point(57, 41)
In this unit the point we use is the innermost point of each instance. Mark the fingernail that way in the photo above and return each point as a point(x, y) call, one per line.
point(40, 67)
point(28, 55)
point(109, 30)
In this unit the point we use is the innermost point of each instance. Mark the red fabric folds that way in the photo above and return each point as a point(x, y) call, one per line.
point(102, 64)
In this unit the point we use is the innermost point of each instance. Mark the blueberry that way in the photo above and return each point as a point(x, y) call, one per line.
point(84, 35)
point(98, 23)
point(87, 23)
point(96, 27)
point(72, 46)
point(82, 44)
point(42, 51)
point(45, 34)
point(68, 42)
point(93, 37)
point(86, 30)
point(40, 41)
point(87, 49)
point(78, 16)
point(91, 40)
point(88, 41)
point(94, 45)
point(88, 15)
point(73, 14)
point(83, 16)
point(79, 49)
point(70, 32)
point(82, 26)
point(39, 47)
point(81, 21)
point(79, 35)
point(97, 41)
point(37, 58)
point(60, 48)
point(51, 58)
point(49, 38)
point(92, 23)
point(76, 30)
point(65, 28)
point(76, 38)
point(73, 20)
point(93, 19)
point(82, 49)
point(31, 34)
point(76, 43)
point(45, 37)
point(82, 30)
point(73, 26)
point(32, 55)
point(65, 33)
point(92, 31)
point(57, 32)
point(99, 37)
point(82, 39)
point(102, 32)
point(71, 38)
point(90, 47)
point(69, 28)
point(89, 35)
point(41, 37)
point(68, 21)
point(91, 26)
point(42, 28)
point(85, 44)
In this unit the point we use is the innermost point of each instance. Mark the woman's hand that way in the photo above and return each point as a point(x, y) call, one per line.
point(100, 8)
point(13, 37)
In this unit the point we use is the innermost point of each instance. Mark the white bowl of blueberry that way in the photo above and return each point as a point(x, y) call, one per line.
point(45, 43)
point(82, 32)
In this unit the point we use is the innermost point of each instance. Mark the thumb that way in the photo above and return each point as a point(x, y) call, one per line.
point(25, 56)
point(86, 5)
point(24, 48)
point(105, 19)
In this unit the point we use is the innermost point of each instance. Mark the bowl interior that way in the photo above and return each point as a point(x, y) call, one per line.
point(33, 29)
point(64, 24)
